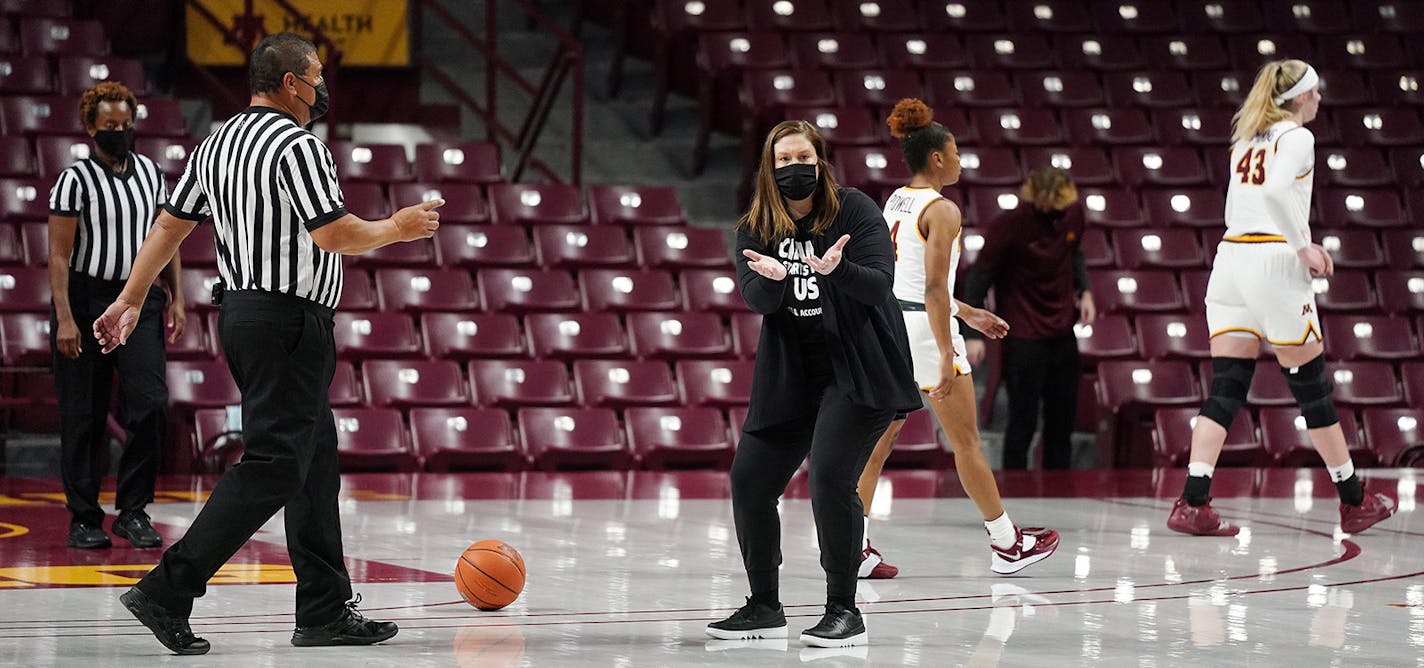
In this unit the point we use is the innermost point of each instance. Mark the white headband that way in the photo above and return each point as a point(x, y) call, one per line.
point(1307, 81)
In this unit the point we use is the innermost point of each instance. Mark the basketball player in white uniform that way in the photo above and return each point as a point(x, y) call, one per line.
point(1260, 288)
point(925, 229)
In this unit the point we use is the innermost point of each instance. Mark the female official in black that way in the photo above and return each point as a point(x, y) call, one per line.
point(832, 370)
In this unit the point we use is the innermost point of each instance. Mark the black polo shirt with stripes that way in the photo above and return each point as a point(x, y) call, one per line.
point(267, 183)
point(115, 211)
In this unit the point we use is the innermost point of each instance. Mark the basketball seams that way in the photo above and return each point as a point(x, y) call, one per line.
point(470, 565)
point(467, 591)
point(518, 563)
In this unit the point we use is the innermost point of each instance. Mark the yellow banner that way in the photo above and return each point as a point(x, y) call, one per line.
point(370, 33)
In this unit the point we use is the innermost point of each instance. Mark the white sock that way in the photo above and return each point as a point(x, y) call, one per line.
point(1001, 531)
point(1342, 472)
point(865, 537)
point(1200, 469)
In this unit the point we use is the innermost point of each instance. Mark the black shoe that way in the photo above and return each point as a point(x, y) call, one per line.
point(170, 629)
point(751, 621)
point(87, 536)
point(134, 526)
point(351, 628)
point(839, 627)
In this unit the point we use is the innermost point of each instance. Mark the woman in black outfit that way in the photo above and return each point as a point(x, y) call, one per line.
point(832, 370)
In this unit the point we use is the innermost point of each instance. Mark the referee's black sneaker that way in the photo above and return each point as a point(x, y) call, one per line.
point(351, 628)
point(134, 525)
point(86, 536)
point(170, 629)
point(839, 627)
point(753, 621)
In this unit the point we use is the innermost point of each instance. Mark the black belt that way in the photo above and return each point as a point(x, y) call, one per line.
point(910, 306)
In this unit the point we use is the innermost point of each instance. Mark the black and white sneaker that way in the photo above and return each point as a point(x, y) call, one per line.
point(839, 627)
point(751, 621)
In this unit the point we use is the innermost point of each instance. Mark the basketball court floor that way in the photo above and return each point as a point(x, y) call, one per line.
point(626, 569)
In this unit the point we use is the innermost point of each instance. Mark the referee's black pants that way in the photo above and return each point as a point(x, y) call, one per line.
point(1041, 374)
point(839, 437)
point(85, 385)
point(282, 355)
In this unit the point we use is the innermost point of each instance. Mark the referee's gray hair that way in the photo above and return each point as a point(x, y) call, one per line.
point(274, 57)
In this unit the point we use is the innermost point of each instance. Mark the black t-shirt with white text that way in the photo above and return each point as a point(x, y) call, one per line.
point(804, 307)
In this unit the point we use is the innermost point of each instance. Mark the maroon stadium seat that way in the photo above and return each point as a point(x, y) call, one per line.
point(1309, 16)
point(1172, 439)
point(201, 384)
point(24, 289)
point(834, 51)
point(1401, 291)
point(841, 126)
point(35, 237)
point(1408, 166)
point(711, 290)
point(1199, 126)
point(373, 440)
point(1103, 52)
point(1346, 88)
point(77, 74)
point(367, 200)
point(169, 153)
point(679, 437)
point(989, 166)
point(1089, 165)
point(362, 161)
point(721, 383)
point(1097, 250)
point(419, 253)
point(520, 290)
point(12, 246)
point(674, 335)
point(871, 168)
point(25, 200)
point(158, 117)
point(401, 383)
point(1129, 393)
point(1361, 206)
point(1170, 248)
point(1404, 249)
point(1370, 337)
point(1221, 17)
point(1345, 291)
point(514, 383)
point(17, 158)
point(573, 437)
point(358, 293)
point(26, 339)
point(1165, 336)
point(1194, 207)
point(537, 204)
point(1120, 125)
point(48, 36)
point(918, 445)
point(1222, 91)
point(619, 291)
point(574, 335)
point(1398, 87)
point(1109, 337)
point(1248, 55)
point(1112, 207)
point(583, 246)
point(1186, 52)
point(1159, 166)
point(1130, 291)
point(1048, 16)
point(1390, 432)
point(198, 286)
point(1366, 384)
point(465, 439)
point(1397, 126)
point(682, 247)
point(921, 51)
point(218, 444)
point(954, 16)
point(1359, 52)
point(362, 335)
point(471, 335)
point(877, 16)
point(624, 383)
point(41, 114)
point(1148, 88)
point(344, 390)
point(1283, 431)
point(195, 342)
point(878, 88)
point(479, 246)
point(465, 162)
point(1019, 127)
point(426, 290)
point(25, 75)
point(1060, 88)
point(1135, 17)
point(634, 205)
point(1352, 248)
point(982, 88)
point(464, 202)
point(746, 333)
point(789, 15)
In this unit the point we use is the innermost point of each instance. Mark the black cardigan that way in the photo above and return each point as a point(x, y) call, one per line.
point(865, 331)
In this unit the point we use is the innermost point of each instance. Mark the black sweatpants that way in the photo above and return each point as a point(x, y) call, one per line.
point(282, 355)
point(1041, 372)
point(85, 385)
point(839, 437)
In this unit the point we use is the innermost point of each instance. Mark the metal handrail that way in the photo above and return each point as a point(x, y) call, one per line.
point(568, 60)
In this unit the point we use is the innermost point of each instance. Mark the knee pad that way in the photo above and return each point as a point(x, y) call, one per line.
point(1230, 381)
point(1311, 386)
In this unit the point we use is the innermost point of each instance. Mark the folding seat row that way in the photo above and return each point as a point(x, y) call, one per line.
point(1377, 437)
point(463, 438)
point(59, 115)
point(1185, 336)
point(71, 75)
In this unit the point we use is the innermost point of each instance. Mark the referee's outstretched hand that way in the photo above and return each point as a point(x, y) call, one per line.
point(418, 221)
point(112, 329)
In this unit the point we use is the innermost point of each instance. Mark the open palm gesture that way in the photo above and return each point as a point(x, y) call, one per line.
point(765, 265)
point(832, 259)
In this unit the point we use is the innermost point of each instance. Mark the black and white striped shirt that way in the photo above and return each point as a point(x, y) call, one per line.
point(267, 183)
point(114, 212)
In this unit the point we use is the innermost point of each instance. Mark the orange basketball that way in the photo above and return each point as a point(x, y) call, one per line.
point(490, 574)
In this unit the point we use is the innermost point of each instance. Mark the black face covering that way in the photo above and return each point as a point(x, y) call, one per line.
point(115, 143)
point(796, 181)
point(322, 102)
point(1053, 215)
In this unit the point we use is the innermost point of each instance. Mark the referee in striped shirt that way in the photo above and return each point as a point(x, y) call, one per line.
point(270, 187)
point(100, 210)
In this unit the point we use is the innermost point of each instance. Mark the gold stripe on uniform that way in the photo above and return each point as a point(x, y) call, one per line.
point(1256, 239)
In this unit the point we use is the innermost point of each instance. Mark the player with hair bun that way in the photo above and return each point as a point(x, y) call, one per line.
point(925, 228)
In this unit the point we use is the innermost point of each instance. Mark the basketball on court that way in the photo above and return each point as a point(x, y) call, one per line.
point(490, 574)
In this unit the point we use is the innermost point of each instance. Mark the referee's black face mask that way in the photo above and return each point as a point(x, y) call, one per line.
point(323, 99)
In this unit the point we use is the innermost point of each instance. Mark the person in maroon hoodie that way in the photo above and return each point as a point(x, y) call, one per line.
point(1033, 260)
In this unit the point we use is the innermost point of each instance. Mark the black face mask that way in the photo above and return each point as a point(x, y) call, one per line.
point(115, 143)
point(323, 99)
point(1053, 215)
point(796, 181)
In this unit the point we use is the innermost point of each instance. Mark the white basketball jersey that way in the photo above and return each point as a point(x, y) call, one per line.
point(902, 213)
point(1247, 210)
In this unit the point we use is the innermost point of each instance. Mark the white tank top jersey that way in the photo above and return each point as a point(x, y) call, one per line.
point(902, 214)
point(1282, 162)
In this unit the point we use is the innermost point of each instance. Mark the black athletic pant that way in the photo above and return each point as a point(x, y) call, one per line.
point(85, 385)
point(839, 438)
point(1046, 372)
point(282, 355)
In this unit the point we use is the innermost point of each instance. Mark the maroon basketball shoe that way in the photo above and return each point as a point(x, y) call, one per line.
point(1374, 509)
point(1031, 545)
point(1199, 520)
point(873, 566)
